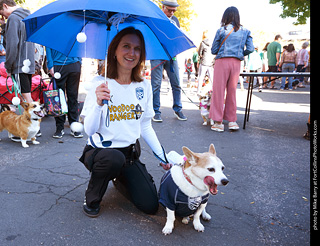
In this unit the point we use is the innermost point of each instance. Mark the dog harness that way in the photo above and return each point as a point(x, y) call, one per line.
point(173, 198)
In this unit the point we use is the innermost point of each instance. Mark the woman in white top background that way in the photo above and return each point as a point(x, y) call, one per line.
point(112, 151)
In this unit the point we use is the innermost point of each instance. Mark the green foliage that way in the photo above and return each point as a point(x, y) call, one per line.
point(20, 1)
point(184, 12)
point(299, 9)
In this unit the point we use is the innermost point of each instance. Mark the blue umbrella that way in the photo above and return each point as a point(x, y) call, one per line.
point(57, 25)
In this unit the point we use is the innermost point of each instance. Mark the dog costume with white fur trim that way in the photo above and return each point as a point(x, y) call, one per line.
point(173, 198)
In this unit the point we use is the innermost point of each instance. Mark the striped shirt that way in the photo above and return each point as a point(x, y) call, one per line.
point(302, 57)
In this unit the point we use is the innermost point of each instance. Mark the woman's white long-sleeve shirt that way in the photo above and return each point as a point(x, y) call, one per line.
point(126, 117)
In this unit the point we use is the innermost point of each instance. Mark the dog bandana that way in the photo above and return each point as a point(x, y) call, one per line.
point(173, 198)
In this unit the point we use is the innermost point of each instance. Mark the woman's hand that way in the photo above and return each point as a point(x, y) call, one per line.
point(102, 93)
point(166, 166)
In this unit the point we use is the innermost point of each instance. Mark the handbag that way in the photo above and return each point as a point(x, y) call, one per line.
point(54, 100)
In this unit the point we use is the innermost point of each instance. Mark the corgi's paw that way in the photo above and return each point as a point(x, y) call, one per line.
point(198, 226)
point(35, 142)
point(167, 229)
point(205, 123)
point(25, 145)
point(185, 220)
point(205, 216)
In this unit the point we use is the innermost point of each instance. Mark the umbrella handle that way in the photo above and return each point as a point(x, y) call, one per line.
point(104, 101)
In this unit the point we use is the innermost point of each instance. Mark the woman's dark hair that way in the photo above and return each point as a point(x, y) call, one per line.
point(231, 16)
point(112, 71)
point(290, 48)
point(266, 46)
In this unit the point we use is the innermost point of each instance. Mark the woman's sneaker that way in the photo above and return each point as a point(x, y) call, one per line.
point(233, 126)
point(217, 127)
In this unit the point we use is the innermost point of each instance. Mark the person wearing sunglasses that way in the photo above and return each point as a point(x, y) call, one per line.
point(169, 7)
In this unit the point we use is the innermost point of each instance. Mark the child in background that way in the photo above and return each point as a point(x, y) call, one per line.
point(188, 65)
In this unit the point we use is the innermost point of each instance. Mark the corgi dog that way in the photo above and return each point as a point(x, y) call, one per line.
point(185, 188)
point(204, 106)
point(25, 126)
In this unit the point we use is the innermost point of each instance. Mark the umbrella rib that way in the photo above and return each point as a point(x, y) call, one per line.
point(164, 33)
point(96, 16)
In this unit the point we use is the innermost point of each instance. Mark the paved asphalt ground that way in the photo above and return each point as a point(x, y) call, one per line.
point(267, 201)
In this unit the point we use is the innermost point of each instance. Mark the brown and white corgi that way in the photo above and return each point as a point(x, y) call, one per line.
point(25, 126)
point(185, 188)
point(204, 106)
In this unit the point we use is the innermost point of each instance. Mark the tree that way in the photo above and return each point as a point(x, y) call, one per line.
point(20, 1)
point(184, 12)
point(299, 9)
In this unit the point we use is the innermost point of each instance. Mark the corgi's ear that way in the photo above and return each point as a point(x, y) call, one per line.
point(212, 149)
point(25, 105)
point(192, 157)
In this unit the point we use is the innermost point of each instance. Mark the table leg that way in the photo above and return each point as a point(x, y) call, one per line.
point(248, 104)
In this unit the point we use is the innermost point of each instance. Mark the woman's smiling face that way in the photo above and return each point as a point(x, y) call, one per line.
point(128, 52)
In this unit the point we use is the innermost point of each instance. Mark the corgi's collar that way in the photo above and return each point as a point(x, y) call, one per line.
point(184, 174)
point(203, 105)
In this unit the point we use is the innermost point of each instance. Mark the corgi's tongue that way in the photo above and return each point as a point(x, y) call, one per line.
point(209, 181)
point(39, 113)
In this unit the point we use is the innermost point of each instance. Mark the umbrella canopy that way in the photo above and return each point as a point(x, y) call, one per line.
point(57, 25)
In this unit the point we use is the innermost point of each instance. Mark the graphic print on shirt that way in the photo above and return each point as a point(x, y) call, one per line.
point(139, 93)
point(125, 112)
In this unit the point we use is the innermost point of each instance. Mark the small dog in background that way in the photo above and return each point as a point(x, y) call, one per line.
point(204, 106)
point(25, 126)
point(186, 187)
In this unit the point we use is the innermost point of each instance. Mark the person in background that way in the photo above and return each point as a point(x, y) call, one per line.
point(2, 49)
point(231, 43)
point(195, 60)
point(39, 57)
point(264, 58)
point(70, 69)
point(169, 7)
point(255, 65)
point(17, 49)
point(307, 79)
point(206, 61)
point(287, 64)
point(188, 66)
point(273, 54)
point(302, 62)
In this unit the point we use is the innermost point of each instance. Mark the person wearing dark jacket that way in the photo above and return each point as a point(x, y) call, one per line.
point(206, 61)
point(18, 51)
